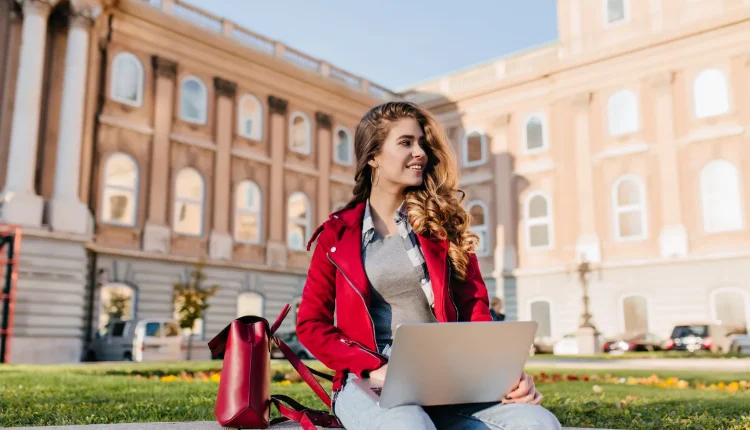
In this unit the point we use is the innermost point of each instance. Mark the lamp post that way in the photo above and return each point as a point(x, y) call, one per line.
point(587, 336)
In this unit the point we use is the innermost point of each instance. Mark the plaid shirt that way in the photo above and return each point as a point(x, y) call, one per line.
point(411, 243)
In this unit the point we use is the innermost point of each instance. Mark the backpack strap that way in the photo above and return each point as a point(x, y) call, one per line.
point(308, 418)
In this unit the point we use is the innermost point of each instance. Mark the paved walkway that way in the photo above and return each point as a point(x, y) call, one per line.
point(200, 425)
point(720, 364)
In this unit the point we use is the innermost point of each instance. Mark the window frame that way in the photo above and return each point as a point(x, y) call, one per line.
point(621, 310)
point(465, 148)
point(528, 222)
point(308, 130)
point(336, 159)
point(203, 120)
point(548, 300)
point(257, 136)
point(616, 209)
point(298, 221)
point(120, 57)
point(135, 190)
point(178, 199)
point(484, 228)
point(605, 14)
point(705, 209)
point(703, 115)
point(623, 93)
point(245, 211)
point(525, 134)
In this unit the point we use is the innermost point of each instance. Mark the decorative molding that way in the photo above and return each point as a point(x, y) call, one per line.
point(127, 125)
point(277, 105)
point(323, 120)
point(341, 180)
point(539, 166)
point(188, 140)
point(83, 13)
point(621, 150)
point(37, 7)
point(662, 80)
point(164, 67)
point(476, 178)
point(581, 100)
point(224, 87)
point(247, 155)
point(300, 169)
point(708, 133)
point(501, 120)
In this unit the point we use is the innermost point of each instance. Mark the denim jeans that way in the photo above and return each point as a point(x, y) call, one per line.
point(357, 411)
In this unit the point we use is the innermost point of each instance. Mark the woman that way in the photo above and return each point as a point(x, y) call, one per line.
point(384, 260)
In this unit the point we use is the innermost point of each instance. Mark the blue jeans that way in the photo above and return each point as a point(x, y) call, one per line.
point(357, 411)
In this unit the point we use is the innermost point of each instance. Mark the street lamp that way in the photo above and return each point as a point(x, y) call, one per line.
point(587, 336)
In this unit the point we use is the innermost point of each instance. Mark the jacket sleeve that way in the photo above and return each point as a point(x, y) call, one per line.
point(471, 295)
point(315, 327)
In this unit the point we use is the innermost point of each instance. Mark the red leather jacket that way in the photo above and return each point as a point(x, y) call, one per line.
point(337, 280)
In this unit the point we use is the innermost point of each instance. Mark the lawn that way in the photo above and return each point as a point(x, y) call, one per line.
point(114, 393)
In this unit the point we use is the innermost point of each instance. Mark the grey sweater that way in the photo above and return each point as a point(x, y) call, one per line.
point(397, 297)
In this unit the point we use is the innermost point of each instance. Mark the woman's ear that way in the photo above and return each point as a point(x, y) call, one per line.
point(373, 164)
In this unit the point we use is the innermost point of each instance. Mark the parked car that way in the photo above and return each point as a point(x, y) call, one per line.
point(137, 340)
point(626, 342)
point(714, 337)
point(740, 344)
point(291, 339)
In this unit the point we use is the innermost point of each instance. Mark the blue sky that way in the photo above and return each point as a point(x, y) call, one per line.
point(397, 43)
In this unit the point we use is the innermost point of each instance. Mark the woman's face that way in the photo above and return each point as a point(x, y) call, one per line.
point(402, 160)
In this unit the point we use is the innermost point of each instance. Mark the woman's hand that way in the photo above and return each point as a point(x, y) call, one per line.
point(379, 374)
point(524, 392)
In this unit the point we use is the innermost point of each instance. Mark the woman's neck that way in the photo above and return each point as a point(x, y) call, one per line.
point(384, 205)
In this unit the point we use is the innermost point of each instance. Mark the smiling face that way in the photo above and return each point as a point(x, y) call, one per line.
point(402, 159)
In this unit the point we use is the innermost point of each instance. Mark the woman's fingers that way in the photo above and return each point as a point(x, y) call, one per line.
point(538, 397)
point(524, 388)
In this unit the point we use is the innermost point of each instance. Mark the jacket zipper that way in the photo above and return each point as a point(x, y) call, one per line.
point(372, 323)
point(362, 347)
point(450, 290)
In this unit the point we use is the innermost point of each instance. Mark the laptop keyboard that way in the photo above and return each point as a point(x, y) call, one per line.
point(376, 390)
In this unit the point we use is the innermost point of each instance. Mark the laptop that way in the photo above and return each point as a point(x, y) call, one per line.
point(444, 364)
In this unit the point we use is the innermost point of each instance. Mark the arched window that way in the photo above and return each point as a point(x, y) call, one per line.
point(299, 133)
point(710, 94)
point(120, 190)
point(535, 133)
point(247, 212)
point(720, 197)
point(622, 113)
point(344, 146)
point(478, 212)
point(730, 306)
point(629, 201)
point(250, 118)
point(635, 314)
point(127, 79)
point(189, 202)
point(541, 313)
point(298, 221)
point(474, 149)
point(249, 303)
point(193, 100)
point(538, 220)
point(116, 303)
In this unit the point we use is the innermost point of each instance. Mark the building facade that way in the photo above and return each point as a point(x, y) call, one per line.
point(138, 138)
point(626, 144)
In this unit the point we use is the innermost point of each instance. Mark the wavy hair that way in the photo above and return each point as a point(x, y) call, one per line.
point(434, 208)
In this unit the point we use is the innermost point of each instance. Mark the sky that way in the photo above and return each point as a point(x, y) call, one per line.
point(397, 43)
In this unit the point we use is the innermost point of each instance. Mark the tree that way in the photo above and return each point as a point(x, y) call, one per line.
point(190, 300)
point(117, 306)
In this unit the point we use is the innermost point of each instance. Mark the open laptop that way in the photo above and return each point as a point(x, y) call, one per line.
point(443, 364)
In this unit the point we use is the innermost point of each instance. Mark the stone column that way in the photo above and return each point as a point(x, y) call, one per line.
point(325, 150)
point(673, 237)
point(276, 246)
point(65, 209)
point(220, 241)
point(505, 225)
point(20, 203)
point(156, 233)
point(588, 246)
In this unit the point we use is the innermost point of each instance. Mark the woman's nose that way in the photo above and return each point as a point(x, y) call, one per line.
point(417, 151)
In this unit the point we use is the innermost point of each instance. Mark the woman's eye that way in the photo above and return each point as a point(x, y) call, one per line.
point(405, 142)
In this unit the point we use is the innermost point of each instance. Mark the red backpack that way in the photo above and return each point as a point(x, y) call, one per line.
point(244, 398)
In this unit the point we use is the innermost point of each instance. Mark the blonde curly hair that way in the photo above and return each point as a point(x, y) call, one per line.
point(434, 208)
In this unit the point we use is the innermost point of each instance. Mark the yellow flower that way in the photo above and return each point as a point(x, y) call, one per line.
point(712, 387)
point(168, 378)
point(284, 382)
point(733, 387)
point(720, 386)
point(700, 386)
point(216, 377)
point(682, 384)
point(632, 381)
point(744, 384)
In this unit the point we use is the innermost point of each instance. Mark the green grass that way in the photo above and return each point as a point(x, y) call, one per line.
point(104, 393)
point(643, 355)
